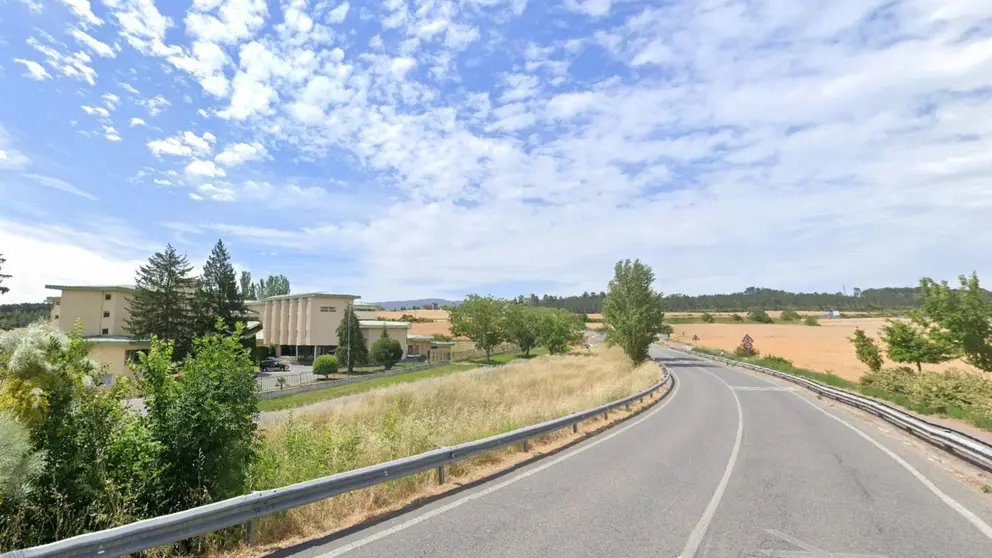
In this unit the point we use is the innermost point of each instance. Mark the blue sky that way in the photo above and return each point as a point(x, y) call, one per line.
point(403, 149)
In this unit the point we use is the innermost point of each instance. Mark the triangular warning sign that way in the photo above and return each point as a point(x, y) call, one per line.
point(747, 339)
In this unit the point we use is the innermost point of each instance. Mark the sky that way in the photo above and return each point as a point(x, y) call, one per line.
point(421, 148)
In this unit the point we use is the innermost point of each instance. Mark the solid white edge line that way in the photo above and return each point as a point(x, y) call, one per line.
point(696, 537)
point(489, 490)
point(951, 502)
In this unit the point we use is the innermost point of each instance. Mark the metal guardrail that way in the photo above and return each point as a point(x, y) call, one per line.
point(167, 529)
point(973, 450)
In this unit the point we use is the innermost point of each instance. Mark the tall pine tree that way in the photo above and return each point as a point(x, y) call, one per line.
point(162, 304)
point(351, 344)
point(3, 290)
point(218, 294)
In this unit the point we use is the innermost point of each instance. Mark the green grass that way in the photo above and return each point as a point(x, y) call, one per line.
point(505, 358)
point(315, 396)
point(783, 365)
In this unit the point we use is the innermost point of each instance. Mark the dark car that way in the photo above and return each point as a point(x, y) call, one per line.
point(272, 364)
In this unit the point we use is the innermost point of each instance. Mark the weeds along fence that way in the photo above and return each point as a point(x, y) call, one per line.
point(294, 383)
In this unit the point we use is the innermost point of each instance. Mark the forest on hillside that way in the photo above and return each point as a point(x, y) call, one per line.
point(20, 315)
point(888, 298)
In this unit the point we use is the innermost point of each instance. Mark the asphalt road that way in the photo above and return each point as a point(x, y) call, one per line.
point(731, 464)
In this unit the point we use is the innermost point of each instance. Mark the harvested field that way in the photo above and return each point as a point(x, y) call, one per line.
point(425, 314)
point(824, 348)
point(430, 328)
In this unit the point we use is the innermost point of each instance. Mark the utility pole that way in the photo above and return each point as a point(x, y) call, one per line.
point(348, 317)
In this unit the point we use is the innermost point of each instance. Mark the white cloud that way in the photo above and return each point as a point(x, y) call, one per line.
point(162, 182)
point(59, 184)
point(103, 49)
point(111, 100)
point(155, 105)
point(98, 111)
point(143, 26)
point(10, 158)
point(71, 257)
point(76, 65)
point(240, 153)
point(204, 168)
point(207, 63)
point(183, 144)
point(129, 88)
point(111, 133)
point(338, 14)
point(235, 21)
point(568, 105)
point(400, 66)
point(137, 122)
point(594, 8)
point(35, 70)
point(83, 10)
point(214, 193)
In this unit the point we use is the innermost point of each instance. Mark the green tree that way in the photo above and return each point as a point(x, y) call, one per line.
point(442, 337)
point(557, 330)
point(736, 318)
point(790, 315)
point(909, 344)
point(163, 301)
point(481, 320)
point(707, 318)
point(325, 365)
point(273, 285)
point(866, 350)
point(217, 293)
point(386, 351)
point(3, 290)
point(520, 324)
point(20, 463)
point(962, 317)
point(632, 311)
point(203, 421)
point(351, 344)
point(811, 321)
point(249, 291)
point(758, 315)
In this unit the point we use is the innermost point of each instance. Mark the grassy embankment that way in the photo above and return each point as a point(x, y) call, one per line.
point(405, 420)
point(315, 396)
point(953, 394)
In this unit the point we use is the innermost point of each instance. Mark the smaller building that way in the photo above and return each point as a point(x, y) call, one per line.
point(432, 351)
point(372, 331)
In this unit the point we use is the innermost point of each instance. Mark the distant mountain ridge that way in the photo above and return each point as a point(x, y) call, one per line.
point(425, 303)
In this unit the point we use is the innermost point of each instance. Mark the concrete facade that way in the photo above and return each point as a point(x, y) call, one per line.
point(103, 311)
point(372, 331)
point(304, 320)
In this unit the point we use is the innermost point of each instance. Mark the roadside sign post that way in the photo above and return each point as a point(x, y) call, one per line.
point(747, 343)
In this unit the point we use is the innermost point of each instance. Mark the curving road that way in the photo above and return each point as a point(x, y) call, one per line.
point(731, 464)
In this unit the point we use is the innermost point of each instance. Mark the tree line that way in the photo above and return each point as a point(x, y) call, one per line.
point(888, 298)
point(950, 323)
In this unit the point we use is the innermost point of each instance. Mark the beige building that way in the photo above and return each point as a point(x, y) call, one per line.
point(372, 331)
point(426, 346)
point(103, 311)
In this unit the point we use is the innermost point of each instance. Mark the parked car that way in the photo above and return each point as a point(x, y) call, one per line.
point(272, 364)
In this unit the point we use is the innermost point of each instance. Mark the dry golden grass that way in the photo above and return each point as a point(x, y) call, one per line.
point(410, 419)
point(825, 348)
point(441, 315)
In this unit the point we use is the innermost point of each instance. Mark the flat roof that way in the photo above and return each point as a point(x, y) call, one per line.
point(443, 343)
point(305, 295)
point(419, 338)
point(91, 287)
point(121, 340)
point(382, 323)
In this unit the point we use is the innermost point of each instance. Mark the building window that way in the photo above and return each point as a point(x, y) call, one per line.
point(104, 331)
point(328, 309)
point(106, 313)
point(132, 356)
point(56, 316)
point(413, 350)
point(56, 303)
point(106, 296)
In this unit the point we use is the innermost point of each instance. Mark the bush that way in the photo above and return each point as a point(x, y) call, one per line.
point(736, 318)
point(442, 337)
point(742, 352)
point(775, 362)
point(759, 316)
point(325, 365)
point(811, 321)
point(707, 318)
point(386, 351)
point(894, 380)
point(789, 315)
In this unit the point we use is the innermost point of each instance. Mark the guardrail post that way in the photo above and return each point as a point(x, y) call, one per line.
point(606, 415)
point(526, 445)
point(575, 428)
point(440, 474)
point(250, 532)
point(628, 407)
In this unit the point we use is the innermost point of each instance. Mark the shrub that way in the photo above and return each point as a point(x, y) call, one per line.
point(759, 316)
point(866, 350)
point(811, 321)
point(894, 380)
point(442, 337)
point(789, 315)
point(386, 351)
point(325, 365)
point(953, 389)
point(743, 352)
point(776, 362)
point(708, 318)
point(736, 318)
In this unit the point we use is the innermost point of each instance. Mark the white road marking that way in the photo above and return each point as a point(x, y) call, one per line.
point(762, 388)
point(952, 503)
point(485, 492)
point(696, 537)
point(808, 549)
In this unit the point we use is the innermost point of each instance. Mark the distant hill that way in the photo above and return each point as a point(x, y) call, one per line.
point(425, 303)
point(19, 315)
